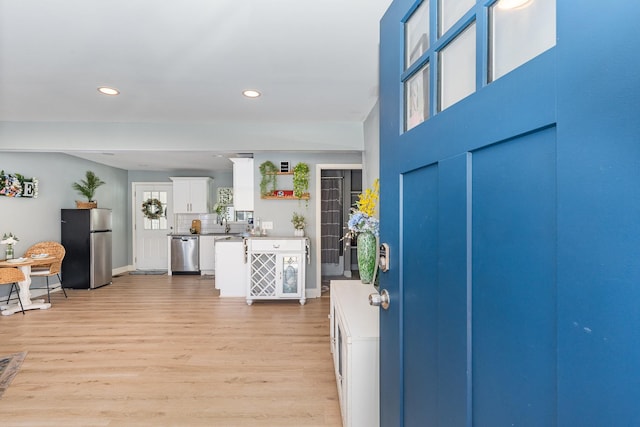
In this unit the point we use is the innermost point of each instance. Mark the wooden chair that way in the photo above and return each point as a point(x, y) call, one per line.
point(54, 249)
point(11, 276)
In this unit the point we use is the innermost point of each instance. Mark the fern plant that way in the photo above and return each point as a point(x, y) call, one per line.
point(87, 187)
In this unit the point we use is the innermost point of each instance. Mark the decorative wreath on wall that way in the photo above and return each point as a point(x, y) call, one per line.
point(152, 209)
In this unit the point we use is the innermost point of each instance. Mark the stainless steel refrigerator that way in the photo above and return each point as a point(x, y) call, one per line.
point(86, 237)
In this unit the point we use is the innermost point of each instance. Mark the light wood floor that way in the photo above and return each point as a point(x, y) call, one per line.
point(166, 351)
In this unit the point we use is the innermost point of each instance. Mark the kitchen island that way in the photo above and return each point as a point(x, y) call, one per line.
point(231, 266)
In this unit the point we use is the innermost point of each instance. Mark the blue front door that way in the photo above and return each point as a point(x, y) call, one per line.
point(512, 215)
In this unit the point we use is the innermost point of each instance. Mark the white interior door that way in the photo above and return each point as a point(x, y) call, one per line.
point(150, 234)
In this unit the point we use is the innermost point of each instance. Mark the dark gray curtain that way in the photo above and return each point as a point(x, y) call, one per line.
point(331, 219)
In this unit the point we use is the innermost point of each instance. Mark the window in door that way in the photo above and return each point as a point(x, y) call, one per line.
point(159, 223)
point(458, 68)
point(445, 66)
point(416, 85)
point(451, 11)
point(416, 34)
point(519, 30)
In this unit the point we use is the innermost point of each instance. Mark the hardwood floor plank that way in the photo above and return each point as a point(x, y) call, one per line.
point(167, 351)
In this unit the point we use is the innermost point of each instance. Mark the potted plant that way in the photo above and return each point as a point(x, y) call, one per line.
point(300, 180)
point(269, 174)
point(298, 222)
point(87, 188)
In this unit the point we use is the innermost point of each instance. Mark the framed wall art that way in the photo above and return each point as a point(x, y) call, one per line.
point(16, 185)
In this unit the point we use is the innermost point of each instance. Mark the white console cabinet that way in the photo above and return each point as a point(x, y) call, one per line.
point(355, 347)
point(276, 268)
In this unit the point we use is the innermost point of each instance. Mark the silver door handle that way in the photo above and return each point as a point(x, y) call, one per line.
point(380, 300)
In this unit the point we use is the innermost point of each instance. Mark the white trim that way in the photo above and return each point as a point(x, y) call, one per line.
point(319, 168)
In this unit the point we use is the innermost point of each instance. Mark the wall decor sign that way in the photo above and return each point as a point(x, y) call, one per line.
point(225, 196)
point(16, 185)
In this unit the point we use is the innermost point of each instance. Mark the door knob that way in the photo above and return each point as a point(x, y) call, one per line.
point(380, 300)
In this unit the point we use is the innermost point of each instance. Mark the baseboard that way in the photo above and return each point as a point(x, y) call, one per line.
point(122, 270)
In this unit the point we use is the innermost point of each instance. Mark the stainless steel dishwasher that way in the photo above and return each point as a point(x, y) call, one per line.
point(184, 255)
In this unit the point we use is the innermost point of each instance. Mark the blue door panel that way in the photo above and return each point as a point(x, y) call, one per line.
point(514, 282)
point(454, 202)
point(420, 300)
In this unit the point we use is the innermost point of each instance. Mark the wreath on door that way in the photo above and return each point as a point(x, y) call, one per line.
point(152, 209)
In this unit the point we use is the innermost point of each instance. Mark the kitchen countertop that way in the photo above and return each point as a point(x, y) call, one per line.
point(201, 234)
point(276, 237)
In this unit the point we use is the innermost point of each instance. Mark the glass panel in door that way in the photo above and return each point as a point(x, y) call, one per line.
point(519, 31)
point(289, 281)
point(451, 11)
point(458, 68)
point(416, 34)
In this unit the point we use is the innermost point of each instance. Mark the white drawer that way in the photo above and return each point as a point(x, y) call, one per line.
point(270, 245)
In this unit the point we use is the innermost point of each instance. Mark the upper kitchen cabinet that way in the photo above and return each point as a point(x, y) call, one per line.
point(192, 195)
point(242, 184)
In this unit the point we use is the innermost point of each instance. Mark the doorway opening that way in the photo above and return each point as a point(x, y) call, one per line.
point(339, 187)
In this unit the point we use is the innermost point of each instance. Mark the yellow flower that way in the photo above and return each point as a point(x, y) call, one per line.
point(367, 200)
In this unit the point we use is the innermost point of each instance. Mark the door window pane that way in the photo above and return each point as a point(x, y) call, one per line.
point(452, 10)
point(520, 30)
point(416, 94)
point(458, 68)
point(416, 34)
point(161, 222)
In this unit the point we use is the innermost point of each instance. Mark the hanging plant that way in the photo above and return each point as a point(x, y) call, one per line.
point(300, 180)
point(269, 174)
point(152, 209)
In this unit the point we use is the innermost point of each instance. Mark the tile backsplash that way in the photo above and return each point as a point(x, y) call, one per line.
point(208, 222)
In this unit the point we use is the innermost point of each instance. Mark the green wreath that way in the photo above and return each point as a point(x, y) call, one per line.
point(152, 209)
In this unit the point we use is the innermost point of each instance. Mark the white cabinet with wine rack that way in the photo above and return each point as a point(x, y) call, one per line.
point(276, 268)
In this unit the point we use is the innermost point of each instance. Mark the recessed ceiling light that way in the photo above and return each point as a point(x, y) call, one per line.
point(105, 90)
point(512, 4)
point(251, 93)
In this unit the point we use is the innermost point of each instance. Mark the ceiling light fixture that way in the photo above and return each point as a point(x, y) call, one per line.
point(251, 93)
point(105, 90)
point(512, 4)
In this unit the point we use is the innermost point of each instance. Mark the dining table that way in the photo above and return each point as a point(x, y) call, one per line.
point(24, 265)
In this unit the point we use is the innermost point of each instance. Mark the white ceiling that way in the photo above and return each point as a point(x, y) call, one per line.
point(187, 62)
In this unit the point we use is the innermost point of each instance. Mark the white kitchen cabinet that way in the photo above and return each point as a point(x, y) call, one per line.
point(276, 268)
point(242, 184)
point(355, 346)
point(207, 254)
point(192, 195)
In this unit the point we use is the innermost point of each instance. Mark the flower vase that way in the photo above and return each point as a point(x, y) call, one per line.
point(298, 232)
point(9, 252)
point(366, 256)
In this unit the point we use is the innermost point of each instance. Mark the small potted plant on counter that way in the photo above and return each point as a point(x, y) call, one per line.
point(298, 222)
point(87, 188)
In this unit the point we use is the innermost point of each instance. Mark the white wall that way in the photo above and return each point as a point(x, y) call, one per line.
point(371, 155)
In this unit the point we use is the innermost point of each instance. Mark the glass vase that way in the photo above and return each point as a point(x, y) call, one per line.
point(8, 254)
point(366, 256)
